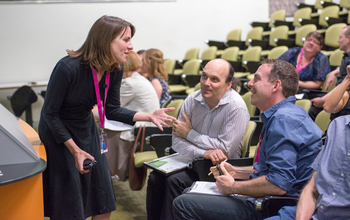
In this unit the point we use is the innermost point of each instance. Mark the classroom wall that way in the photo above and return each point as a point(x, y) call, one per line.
point(33, 37)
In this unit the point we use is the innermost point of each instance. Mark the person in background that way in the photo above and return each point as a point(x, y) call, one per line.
point(140, 53)
point(338, 102)
point(344, 45)
point(211, 125)
point(326, 196)
point(311, 65)
point(88, 76)
point(153, 64)
point(290, 141)
point(137, 94)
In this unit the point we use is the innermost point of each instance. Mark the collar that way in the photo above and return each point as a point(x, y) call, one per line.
point(347, 54)
point(269, 112)
point(223, 101)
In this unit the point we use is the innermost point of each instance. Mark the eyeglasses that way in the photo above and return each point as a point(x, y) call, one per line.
point(313, 41)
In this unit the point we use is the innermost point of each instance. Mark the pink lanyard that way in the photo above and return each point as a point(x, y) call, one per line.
point(98, 97)
point(298, 68)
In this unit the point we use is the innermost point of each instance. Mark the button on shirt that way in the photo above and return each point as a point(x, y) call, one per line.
point(290, 143)
point(222, 127)
point(333, 174)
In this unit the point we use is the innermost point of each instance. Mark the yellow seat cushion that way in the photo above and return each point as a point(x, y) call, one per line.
point(241, 74)
point(177, 88)
point(144, 157)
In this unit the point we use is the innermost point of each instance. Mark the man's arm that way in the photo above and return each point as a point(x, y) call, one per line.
point(337, 100)
point(195, 144)
point(331, 78)
point(257, 187)
point(310, 84)
point(307, 201)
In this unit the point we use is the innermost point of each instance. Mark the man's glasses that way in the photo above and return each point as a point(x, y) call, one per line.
point(313, 41)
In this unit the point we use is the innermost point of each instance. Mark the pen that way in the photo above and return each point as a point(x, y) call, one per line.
point(217, 166)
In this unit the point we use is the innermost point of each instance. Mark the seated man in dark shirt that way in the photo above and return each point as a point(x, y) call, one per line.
point(290, 141)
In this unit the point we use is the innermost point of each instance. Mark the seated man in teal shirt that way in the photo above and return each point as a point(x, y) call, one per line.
point(290, 141)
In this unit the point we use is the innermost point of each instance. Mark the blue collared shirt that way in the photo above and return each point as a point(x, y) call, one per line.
point(290, 143)
point(333, 172)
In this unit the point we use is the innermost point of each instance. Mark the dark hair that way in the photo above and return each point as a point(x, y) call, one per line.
point(316, 35)
point(231, 73)
point(96, 50)
point(286, 73)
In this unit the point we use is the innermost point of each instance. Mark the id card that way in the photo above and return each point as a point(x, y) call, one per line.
point(103, 143)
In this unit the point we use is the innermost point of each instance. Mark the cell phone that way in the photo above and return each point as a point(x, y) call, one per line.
point(220, 171)
point(89, 164)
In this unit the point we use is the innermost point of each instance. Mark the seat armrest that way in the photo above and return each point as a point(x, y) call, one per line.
point(264, 25)
point(287, 23)
point(235, 43)
point(330, 21)
point(327, 4)
point(303, 5)
point(262, 43)
point(270, 205)
point(284, 42)
point(219, 44)
point(237, 65)
point(192, 80)
point(252, 66)
point(307, 21)
point(174, 79)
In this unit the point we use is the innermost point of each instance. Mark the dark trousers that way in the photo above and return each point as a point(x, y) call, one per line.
point(162, 190)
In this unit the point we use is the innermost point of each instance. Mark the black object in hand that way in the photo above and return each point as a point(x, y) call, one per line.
point(220, 171)
point(89, 164)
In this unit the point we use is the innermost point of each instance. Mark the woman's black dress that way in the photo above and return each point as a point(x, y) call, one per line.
point(66, 114)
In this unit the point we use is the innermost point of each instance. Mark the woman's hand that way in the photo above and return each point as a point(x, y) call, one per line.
point(159, 117)
point(79, 155)
point(79, 160)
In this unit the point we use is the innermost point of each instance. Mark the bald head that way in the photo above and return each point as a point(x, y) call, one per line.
point(224, 66)
point(215, 81)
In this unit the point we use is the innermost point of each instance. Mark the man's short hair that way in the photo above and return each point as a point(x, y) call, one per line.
point(347, 31)
point(231, 73)
point(286, 73)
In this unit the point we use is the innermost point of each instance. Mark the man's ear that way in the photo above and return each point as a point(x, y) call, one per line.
point(229, 85)
point(277, 85)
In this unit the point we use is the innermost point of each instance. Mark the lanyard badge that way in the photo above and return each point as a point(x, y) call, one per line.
point(101, 112)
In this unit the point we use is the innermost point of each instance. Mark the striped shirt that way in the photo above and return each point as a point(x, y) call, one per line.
point(222, 127)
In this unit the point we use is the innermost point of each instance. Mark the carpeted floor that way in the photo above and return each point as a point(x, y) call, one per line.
point(131, 205)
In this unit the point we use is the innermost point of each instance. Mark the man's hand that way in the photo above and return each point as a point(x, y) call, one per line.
point(317, 102)
point(224, 182)
point(216, 156)
point(182, 128)
point(241, 173)
point(330, 81)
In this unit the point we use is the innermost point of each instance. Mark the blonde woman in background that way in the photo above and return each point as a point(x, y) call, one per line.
point(153, 64)
point(137, 94)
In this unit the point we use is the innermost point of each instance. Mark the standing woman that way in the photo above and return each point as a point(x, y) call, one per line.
point(153, 64)
point(67, 127)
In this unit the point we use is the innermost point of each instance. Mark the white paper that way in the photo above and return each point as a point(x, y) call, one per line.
point(209, 188)
point(299, 96)
point(116, 125)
